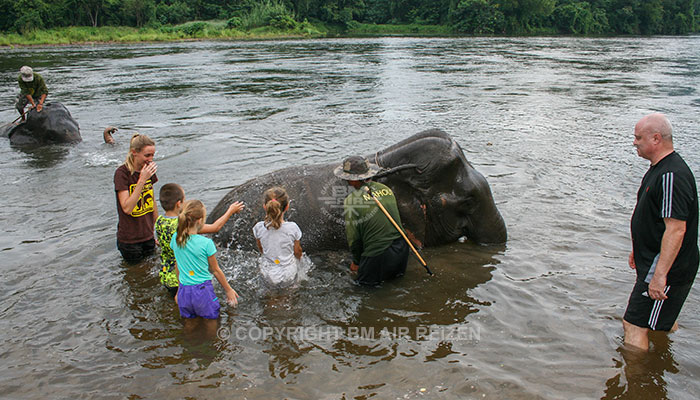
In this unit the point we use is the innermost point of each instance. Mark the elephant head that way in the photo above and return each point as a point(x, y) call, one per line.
point(441, 196)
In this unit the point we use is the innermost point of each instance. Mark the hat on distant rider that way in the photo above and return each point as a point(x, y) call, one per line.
point(27, 73)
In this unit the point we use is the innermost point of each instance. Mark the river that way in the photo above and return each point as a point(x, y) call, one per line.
point(548, 121)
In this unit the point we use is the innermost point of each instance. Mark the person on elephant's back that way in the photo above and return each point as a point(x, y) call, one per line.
point(32, 90)
point(379, 252)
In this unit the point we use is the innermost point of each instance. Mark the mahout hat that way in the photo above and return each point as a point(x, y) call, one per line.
point(27, 73)
point(356, 168)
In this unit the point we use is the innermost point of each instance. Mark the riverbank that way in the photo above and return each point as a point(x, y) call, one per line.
point(195, 30)
point(199, 30)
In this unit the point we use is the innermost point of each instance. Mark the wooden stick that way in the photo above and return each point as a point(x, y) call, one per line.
point(399, 229)
point(23, 112)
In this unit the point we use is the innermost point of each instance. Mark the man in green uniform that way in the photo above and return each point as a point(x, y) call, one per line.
point(379, 252)
point(33, 90)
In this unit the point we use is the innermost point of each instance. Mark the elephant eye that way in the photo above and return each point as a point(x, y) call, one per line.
point(467, 205)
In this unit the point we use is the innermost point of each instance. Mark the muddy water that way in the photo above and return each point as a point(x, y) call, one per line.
point(547, 120)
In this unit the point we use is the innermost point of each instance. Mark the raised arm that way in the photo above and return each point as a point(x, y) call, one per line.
point(234, 208)
point(128, 201)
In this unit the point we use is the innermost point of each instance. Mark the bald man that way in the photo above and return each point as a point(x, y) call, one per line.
point(664, 230)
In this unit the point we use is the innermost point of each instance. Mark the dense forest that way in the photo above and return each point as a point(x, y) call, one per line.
point(480, 17)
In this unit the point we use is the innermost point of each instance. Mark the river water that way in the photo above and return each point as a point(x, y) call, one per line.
point(548, 121)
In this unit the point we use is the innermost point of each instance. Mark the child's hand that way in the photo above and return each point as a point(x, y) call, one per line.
point(232, 298)
point(236, 207)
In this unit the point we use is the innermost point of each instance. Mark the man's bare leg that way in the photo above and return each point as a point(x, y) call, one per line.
point(674, 327)
point(636, 336)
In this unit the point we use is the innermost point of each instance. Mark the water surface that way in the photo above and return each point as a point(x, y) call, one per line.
point(548, 120)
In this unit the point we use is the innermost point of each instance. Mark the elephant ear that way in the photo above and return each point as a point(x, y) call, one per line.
point(409, 200)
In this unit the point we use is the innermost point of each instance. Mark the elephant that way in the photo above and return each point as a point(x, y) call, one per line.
point(441, 198)
point(54, 124)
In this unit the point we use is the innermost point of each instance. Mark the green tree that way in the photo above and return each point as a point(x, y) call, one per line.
point(580, 18)
point(679, 16)
point(376, 12)
point(176, 12)
point(476, 16)
point(338, 11)
point(624, 19)
point(522, 16)
point(651, 15)
point(139, 12)
point(7, 15)
point(430, 12)
point(92, 8)
point(468, 16)
point(31, 15)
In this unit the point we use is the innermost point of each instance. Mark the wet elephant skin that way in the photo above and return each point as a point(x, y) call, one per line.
point(441, 198)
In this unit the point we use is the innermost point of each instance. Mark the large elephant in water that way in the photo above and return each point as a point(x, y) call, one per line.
point(52, 125)
point(441, 197)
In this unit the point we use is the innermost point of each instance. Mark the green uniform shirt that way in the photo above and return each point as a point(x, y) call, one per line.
point(35, 88)
point(368, 230)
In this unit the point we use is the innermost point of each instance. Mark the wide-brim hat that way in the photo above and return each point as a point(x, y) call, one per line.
point(356, 168)
point(27, 73)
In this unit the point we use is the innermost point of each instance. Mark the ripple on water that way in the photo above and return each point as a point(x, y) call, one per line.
point(548, 120)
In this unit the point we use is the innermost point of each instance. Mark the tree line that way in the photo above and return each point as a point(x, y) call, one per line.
point(496, 17)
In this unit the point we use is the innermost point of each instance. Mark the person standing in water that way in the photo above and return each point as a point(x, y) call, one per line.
point(196, 265)
point(664, 230)
point(136, 206)
point(379, 253)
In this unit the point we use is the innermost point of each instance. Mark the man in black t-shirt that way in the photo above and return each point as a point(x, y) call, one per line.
point(664, 230)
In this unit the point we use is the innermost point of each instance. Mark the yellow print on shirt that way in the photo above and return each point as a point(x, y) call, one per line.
point(377, 193)
point(146, 199)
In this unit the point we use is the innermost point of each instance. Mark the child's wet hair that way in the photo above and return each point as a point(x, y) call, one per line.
point(192, 211)
point(276, 201)
point(169, 195)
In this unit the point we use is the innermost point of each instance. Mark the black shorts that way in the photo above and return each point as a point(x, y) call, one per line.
point(388, 265)
point(136, 252)
point(172, 290)
point(657, 315)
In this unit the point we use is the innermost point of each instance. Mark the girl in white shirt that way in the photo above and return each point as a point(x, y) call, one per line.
point(278, 241)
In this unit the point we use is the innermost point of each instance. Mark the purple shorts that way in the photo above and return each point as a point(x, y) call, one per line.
point(198, 301)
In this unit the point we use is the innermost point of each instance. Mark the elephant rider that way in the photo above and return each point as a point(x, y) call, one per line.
point(33, 90)
point(378, 250)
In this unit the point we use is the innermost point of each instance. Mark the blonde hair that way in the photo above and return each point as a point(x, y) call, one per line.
point(189, 217)
point(276, 201)
point(138, 142)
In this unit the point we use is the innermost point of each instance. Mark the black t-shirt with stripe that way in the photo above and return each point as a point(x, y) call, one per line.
point(668, 190)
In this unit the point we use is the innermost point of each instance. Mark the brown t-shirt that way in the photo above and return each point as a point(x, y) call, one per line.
point(137, 226)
